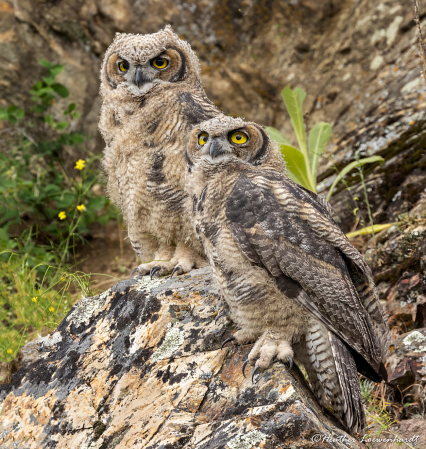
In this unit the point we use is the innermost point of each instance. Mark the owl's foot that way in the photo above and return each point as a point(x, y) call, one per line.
point(268, 347)
point(227, 341)
point(156, 267)
point(221, 314)
point(185, 259)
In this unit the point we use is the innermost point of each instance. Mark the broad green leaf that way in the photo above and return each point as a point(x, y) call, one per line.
point(60, 89)
point(42, 91)
point(65, 201)
point(318, 138)
point(49, 80)
point(351, 166)
point(274, 134)
point(96, 203)
point(45, 63)
point(369, 230)
point(62, 125)
point(20, 113)
point(296, 165)
point(56, 70)
point(293, 100)
point(77, 138)
point(71, 107)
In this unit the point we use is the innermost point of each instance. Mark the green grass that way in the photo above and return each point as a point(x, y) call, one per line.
point(47, 208)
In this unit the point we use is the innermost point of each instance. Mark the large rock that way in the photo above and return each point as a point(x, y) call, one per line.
point(406, 364)
point(141, 366)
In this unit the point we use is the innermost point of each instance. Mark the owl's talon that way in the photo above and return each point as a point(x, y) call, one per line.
point(177, 268)
point(220, 315)
point(244, 367)
point(154, 270)
point(253, 374)
point(131, 273)
point(290, 362)
point(226, 341)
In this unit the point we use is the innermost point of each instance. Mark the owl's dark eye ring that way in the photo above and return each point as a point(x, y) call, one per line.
point(160, 63)
point(123, 66)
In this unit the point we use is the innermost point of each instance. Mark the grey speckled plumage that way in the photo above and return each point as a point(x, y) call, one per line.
point(146, 117)
point(293, 282)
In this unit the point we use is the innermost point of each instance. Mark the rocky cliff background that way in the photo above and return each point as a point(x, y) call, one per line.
point(356, 59)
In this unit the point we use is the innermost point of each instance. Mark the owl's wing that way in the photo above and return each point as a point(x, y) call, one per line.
point(289, 231)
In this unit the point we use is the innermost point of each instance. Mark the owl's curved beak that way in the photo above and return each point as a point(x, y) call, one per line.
point(140, 78)
point(218, 147)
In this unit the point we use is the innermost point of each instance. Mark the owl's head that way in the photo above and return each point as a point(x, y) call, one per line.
point(139, 62)
point(225, 140)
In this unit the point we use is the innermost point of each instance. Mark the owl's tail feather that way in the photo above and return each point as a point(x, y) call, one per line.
point(333, 375)
point(349, 409)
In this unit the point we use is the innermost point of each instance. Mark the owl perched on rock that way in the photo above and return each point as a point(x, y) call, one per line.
point(292, 281)
point(152, 97)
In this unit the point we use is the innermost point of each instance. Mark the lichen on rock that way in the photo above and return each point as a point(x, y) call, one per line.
point(247, 441)
point(414, 337)
point(144, 368)
point(172, 341)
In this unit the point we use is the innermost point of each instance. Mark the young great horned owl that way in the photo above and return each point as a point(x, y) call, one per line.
point(152, 97)
point(291, 279)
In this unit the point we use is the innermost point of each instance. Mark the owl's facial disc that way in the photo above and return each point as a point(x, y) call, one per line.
point(140, 74)
point(214, 148)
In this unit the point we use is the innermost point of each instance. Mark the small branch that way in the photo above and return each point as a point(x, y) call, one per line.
point(420, 36)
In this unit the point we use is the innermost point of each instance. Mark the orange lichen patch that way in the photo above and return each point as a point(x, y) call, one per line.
point(6, 7)
point(100, 386)
point(177, 426)
point(194, 397)
point(285, 388)
point(76, 440)
point(31, 414)
point(7, 36)
point(232, 373)
point(149, 400)
point(79, 411)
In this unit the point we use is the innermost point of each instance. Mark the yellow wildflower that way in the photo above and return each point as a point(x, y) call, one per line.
point(34, 299)
point(51, 309)
point(62, 215)
point(81, 208)
point(62, 279)
point(9, 351)
point(79, 165)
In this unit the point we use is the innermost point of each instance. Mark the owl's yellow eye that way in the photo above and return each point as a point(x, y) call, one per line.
point(202, 138)
point(239, 137)
point(160, 63)
point(123, 66)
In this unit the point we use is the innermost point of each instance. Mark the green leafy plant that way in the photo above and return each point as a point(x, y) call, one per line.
point(367, 387)
point(46, 208)
point(302, 162)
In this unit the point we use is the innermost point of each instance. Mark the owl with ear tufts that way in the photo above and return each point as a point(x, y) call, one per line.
point(292, 281)
point(152, 97)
